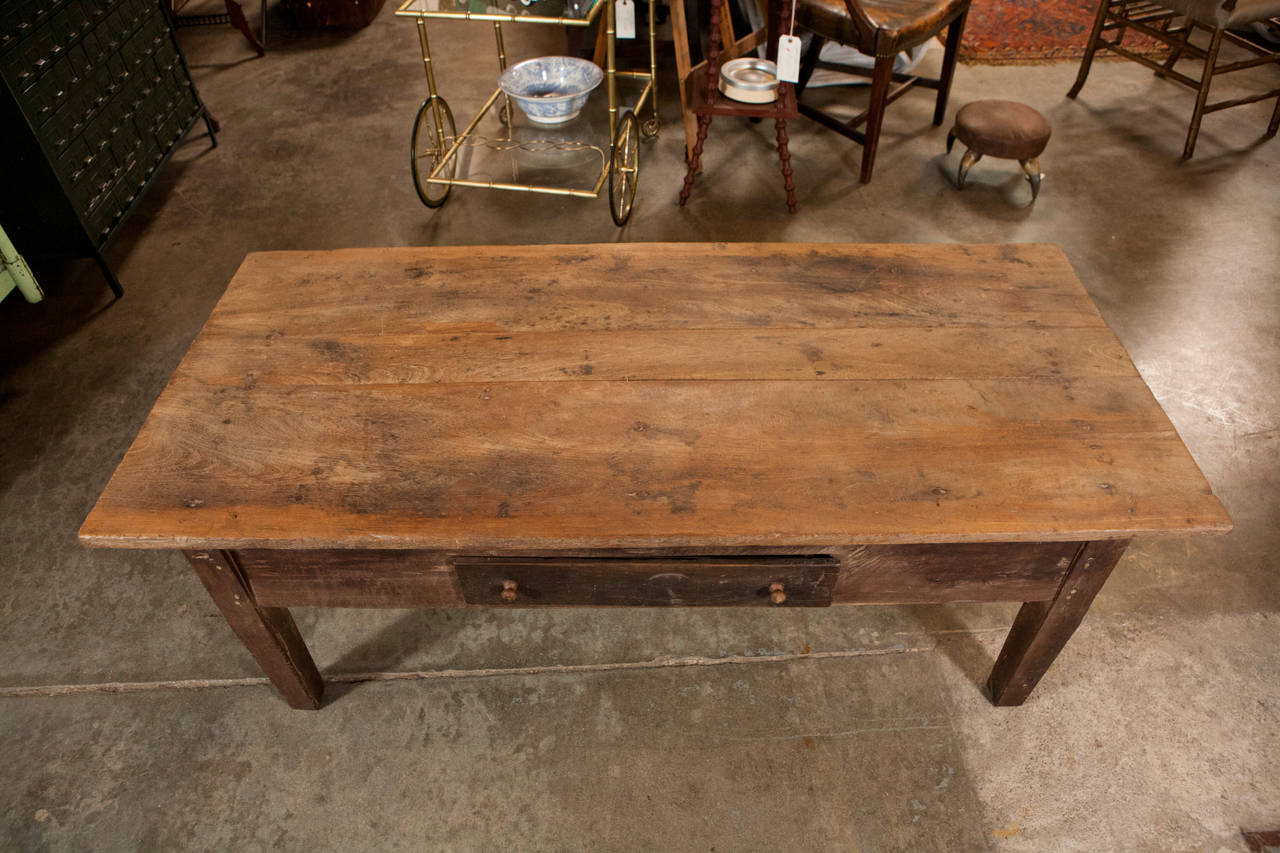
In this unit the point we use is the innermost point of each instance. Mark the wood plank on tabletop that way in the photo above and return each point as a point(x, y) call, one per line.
point(653, 286)
point(659, 395)
point(855, 353)
point(590, 464)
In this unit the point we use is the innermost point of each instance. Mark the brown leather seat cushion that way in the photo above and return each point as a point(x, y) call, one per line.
point(899, 24)
point(1002, 129)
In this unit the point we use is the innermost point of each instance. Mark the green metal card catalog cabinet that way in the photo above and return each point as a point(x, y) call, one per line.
point(94, 95)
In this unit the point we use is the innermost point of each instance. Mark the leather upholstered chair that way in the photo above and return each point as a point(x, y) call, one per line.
point(881, 29)
point(1216, 17)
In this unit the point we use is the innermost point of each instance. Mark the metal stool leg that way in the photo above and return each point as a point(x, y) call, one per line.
point(1032, 168)
point(966, 163)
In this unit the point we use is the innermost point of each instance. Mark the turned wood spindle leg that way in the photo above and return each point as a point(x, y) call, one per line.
point(784, 153)
point(695, 161)
point(268, 632)
point(704, 121)
point(1042, 628)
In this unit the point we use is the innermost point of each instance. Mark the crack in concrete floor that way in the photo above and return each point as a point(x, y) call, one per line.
point(424, 675)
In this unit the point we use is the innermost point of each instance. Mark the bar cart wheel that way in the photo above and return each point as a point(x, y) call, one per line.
point(624, 168)
point(433, 136)
point(650, 128)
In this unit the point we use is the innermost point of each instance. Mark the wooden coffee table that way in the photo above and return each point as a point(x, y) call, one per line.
point(783, 425)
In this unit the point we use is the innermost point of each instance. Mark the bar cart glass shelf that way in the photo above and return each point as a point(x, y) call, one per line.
point(597, 150)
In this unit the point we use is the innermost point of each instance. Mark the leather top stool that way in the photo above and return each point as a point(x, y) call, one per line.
point(1005, 129)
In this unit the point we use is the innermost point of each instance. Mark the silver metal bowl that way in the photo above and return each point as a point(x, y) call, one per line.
point(750, 80)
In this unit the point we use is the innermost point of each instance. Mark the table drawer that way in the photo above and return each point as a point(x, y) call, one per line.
point(787, 581)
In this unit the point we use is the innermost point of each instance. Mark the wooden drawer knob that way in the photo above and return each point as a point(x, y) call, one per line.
point(776, 593)
point(508, 590)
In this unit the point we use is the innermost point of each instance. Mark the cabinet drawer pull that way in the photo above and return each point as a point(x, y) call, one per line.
point(776, 593)
point(508, 590)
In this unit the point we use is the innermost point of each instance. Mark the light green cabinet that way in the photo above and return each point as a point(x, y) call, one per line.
point(14, 272)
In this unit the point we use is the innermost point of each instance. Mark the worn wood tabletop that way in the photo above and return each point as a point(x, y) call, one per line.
point(653, 395)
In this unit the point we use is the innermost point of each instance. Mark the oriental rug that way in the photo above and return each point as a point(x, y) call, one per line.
point(1028, 32)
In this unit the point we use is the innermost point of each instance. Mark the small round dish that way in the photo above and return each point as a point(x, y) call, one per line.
point(551, 90)
point(750, 80)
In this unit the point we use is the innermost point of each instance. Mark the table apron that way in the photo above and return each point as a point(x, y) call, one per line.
point(866, 574)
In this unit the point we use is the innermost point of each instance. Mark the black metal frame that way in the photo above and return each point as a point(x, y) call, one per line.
point(212, 125)
point(38, 202)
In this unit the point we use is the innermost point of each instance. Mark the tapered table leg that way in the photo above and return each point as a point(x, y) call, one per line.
point(1042, 628)
point(268, 632)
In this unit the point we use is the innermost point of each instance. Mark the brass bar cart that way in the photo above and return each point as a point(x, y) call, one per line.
point(576, 160)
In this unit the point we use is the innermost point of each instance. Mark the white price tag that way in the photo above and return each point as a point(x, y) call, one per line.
point(624, 19)
point(789, 59)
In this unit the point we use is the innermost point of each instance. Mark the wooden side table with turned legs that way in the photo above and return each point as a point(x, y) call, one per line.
point(715, 103)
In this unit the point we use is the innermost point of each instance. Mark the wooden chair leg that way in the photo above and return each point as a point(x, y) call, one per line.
point(1087, 60)
point(954, 33)
point(1042, 628)
point(1210, 63)
point(1176, 53)
point(784, 154)
point(881, 76)
point(1275, 122)
point(235, 14)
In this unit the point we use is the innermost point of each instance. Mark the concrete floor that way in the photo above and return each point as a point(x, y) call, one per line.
point(1158, 729)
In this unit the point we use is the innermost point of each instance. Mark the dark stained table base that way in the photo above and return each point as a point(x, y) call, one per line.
point(1056, 581)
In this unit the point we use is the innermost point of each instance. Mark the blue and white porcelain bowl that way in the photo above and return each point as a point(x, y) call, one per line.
point(551, 89)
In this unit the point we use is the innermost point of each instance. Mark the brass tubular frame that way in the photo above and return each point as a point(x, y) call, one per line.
point(431, 85)
point(648, 94)
point(653, 66)
point(610, 68)
point(460, 139)
point(502, 65)
point(502, 50)
point(406, 10)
